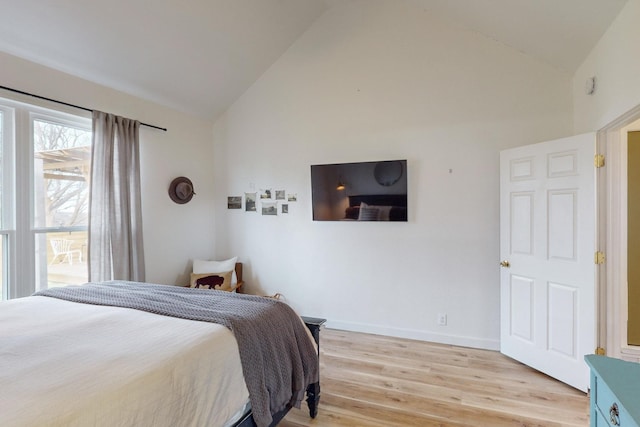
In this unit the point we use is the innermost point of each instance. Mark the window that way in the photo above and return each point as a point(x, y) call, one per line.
point(45, 208)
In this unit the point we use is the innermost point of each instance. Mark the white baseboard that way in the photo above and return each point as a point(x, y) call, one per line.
point(415, 334)
point(630, 353)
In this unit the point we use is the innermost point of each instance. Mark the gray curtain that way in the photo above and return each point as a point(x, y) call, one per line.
point(115, 216)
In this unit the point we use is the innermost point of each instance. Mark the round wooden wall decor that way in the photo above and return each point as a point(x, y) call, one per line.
point(181, 190)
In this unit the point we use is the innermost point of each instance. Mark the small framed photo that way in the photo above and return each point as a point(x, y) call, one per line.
point(269, 208)
point(292, 198)
point(265, 194)
point(250, 202)
point(280, 194)
point(285, 208)
point(234, 202)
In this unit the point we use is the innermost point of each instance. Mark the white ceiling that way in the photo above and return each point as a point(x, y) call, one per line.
point(559, 32)
point(199, 56)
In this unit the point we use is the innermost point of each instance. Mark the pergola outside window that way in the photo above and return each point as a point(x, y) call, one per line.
point(61, 174)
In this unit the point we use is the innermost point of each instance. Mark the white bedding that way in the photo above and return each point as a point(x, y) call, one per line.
point(69, 364)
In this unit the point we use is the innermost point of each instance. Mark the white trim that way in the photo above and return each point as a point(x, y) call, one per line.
point(24, 255)
point(70, 229)
point(631, 354)
point(615, 249)
point(8, 171)
point(612, 232)
point(7, 222)
point(415, 334)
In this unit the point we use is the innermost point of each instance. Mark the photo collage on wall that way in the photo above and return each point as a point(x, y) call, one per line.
point(266, 202)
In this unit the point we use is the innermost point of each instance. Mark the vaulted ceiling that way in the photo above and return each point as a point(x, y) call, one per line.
point(199, 56)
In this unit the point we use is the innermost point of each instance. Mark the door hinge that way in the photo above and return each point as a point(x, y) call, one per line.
point(600, 351)
point(598, 160)
point(599, 258)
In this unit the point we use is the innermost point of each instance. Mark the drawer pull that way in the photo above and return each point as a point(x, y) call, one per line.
point(614, 414)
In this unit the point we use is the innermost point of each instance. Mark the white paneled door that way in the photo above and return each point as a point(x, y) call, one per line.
point(547, 246)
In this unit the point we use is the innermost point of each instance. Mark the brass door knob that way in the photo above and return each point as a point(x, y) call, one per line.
point(505, 264)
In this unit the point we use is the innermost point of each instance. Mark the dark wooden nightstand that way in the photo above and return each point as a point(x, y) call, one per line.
point(313, 391)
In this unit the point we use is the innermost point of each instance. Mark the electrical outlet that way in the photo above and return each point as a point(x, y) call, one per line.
point(442, 319)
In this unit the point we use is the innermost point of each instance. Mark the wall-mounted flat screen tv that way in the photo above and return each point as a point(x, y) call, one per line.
point(364, 191)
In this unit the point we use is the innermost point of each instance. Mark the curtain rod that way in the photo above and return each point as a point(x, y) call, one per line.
point(68, 105)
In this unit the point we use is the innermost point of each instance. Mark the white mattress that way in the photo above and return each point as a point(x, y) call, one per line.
point(69, 364)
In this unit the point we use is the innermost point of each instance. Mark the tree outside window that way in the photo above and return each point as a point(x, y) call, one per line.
point(62, 170)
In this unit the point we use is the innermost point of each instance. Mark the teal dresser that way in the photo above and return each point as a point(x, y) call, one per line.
point(615, 392)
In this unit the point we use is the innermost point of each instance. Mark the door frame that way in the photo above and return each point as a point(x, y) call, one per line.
point(611, 220)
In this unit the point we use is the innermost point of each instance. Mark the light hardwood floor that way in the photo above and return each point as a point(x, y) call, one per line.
point(371, 380)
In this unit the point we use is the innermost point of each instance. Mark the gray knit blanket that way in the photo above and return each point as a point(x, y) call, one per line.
point(278, 359)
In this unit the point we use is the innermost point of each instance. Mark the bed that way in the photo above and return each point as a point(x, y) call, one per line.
point(70, 363)
point(377, 207)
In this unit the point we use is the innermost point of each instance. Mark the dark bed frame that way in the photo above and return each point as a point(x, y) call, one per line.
point(313, 390)
point(399, 200)
point(313, 397)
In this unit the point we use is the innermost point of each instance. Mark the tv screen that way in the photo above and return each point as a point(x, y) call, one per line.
point(364, 191)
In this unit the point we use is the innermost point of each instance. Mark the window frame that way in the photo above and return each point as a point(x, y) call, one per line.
point(7, 220)
point(20, 256)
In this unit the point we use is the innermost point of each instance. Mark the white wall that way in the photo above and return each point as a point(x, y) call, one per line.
point(174, 234)
point(615, 63)
point(375, 80)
